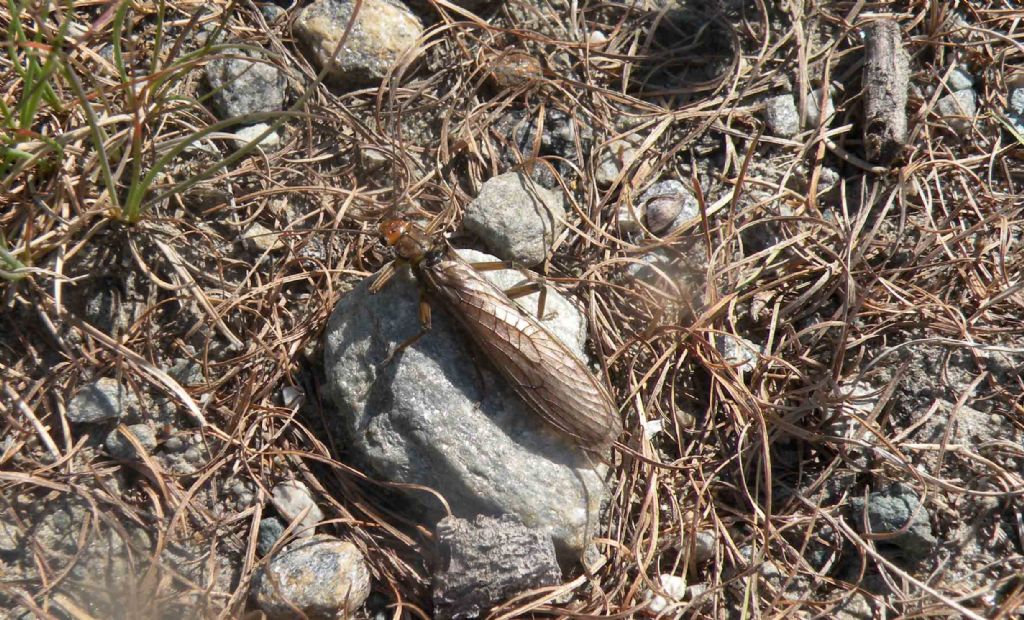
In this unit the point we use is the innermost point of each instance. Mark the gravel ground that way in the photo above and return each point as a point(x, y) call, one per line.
point(786, 235)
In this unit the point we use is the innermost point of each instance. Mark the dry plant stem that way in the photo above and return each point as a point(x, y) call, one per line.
point(886, 80)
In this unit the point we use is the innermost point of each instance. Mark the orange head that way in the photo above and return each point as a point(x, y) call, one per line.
point(408, 239)
point(392, 230)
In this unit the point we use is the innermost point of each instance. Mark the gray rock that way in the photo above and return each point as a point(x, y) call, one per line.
point(102, 305)
point(271, 12)
point(244, 86)
point(186, 372)
point(814, 113)
point(120, 447)
point(737, 352)
point(958, 108)
point(659, 259)
point(960, 79)
point(781, 116)
point(183, 454)
point(828, 179)
point(104, 399)
point(704, 546)
point(249, 133)
point(10, 535)
point(488, 561)
point(516, 218)
point(615, 156)
point(890, 511)
point(382, 32)
point(437, 416)
point(767, 569)
point(1016, 110)
point(269, 533)
point(628, 216)
point(241, 494)
point(325, 578)
point(290, 498)
point(1017, 101)
point(855, 607)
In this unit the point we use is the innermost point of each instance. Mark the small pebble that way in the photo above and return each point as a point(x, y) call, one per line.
point(890, 511)
point(814, 115)
point(269, 533)
point(259, 238)
point(959, 109)
point(104, 399)
point(653, 427)
point(380, 33)
point(10, 536)
point(1017, 101)
point(120, 447)
point(321, 576)
point(290, 498)
point(960, 103)
point(673, 590)
point(271, 12)
point(782, 117)
point(596, 39)
point(960, 79)
point(738, 352)
point(704, 546)
point(1015, 113)
point(243, 86)
point(615, 156)
point(246, 135)
point(514, 71)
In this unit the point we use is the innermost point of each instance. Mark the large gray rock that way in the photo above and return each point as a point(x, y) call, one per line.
point(323, 577)
point(488, 561)
point(383, 30)
point(516, 218)
point(439, 415)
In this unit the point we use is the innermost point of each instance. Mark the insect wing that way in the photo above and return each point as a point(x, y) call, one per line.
point(542, 370)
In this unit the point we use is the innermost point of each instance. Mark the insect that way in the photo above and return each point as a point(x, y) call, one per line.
point(542, 370)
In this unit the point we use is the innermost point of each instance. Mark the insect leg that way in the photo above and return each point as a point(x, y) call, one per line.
point(424, 328)
point(527, 289)
point(522, 290)
point(383, 277)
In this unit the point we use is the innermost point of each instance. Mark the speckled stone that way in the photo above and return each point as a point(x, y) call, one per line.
point(382, 32)
point(325, 578)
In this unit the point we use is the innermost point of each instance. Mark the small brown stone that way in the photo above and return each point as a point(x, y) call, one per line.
point(514, 70)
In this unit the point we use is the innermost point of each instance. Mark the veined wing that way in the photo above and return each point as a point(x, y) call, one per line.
point(556, 384)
